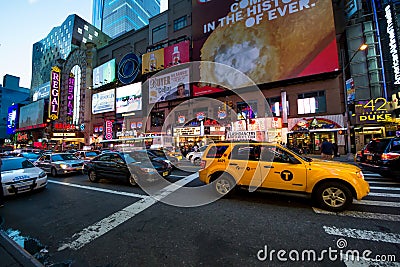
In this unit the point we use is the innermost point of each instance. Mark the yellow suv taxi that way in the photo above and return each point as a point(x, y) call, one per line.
point(259, 165)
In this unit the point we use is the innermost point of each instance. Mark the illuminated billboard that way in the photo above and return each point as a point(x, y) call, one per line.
point(129, 98)
point(12, 119)
point(31, 114)
point(104, 74)
point(266, 40)
point(42, 91)
point(103, 101)
point(176, 54)
point(153, 61)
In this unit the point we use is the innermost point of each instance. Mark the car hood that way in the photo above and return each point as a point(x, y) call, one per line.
point(20, 175)
point(333, 165)
point(74, 161)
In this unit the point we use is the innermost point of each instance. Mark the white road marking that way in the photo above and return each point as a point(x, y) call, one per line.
point(179, 176)
point(361, 214)
point(374, 194)
point(377, 203)
point(107, 224)
point(363, 234)
point(387, 183)
point(384, 188)
point(363, 262)
point(372, 174)
point(99, 189)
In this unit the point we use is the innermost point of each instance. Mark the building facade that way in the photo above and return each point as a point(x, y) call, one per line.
point(118, 17)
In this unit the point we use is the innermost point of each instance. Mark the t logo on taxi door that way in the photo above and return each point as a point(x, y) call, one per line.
point(286, 175)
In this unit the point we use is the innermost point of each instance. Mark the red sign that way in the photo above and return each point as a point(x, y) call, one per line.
point(108, 134)
point(54, 93)
point(176, 54)
point(64, 126)
point(42, 125)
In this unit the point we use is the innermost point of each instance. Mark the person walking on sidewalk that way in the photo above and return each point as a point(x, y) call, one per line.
point(326, 150)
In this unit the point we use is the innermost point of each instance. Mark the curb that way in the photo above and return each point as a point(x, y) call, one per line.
point(20, 255)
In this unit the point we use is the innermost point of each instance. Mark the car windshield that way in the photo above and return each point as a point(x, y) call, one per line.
point(158, 153)
point(136, 156)
point(16, 164)
point(91, 154)
point(61, 157)
point(30, 155)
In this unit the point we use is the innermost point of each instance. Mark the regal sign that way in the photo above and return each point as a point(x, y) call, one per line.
point(70, 101)
point(54, 93)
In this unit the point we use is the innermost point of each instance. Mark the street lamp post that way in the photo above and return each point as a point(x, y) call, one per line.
point(347, 118)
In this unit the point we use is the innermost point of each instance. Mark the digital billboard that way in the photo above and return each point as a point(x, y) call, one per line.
point(176, 54)
point(153, 61)
point(12, 119)
point(31, 114)
point(103, 101)
point(129, 98)
point(266, 40)
point(104, 74)
point(42, 91)
point(169, 86)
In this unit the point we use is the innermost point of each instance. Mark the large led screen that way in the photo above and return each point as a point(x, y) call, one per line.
point(31, 114)
point(104, 74)
point(42, 91)
point(266, 40)
point(103, 101)
point(129, 98)
point(12, 119)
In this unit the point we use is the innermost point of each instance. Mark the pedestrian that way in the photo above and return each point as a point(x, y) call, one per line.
point(326, 149)
point(1, 187)
point(335, 150)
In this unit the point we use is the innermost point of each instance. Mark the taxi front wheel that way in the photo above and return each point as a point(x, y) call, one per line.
point(333, 196)
point(224, 185)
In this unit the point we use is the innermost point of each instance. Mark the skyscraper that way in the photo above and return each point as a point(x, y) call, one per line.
point(115, 17)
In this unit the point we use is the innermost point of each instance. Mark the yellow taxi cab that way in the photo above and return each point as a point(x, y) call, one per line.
point(260, 165)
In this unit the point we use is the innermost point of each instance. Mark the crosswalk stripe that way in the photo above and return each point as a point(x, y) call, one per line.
point(361, 214)
point(384, 188)
point(384, 183)
point(377, 203)
point(377, 179)
point(363, 234)
point(375, 194)
point(372, 174)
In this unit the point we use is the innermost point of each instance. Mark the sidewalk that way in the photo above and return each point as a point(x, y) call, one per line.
point(12, 255)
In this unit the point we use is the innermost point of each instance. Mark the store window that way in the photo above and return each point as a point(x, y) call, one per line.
point(310, 103)
point(157, 118)
point(275, 104)
point(180, 23)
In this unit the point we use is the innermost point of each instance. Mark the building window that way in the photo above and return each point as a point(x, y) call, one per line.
point(314, 102)
point(275, 105)
point(180, 23)
point(157, 118)
point(159, 33)
point(246, 110)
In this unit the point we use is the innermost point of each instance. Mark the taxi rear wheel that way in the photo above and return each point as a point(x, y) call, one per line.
point(224, 185)
point(197, 161)
point(333, 196)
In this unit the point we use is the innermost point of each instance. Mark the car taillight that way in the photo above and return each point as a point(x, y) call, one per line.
point(202, 164)
point(390, 156)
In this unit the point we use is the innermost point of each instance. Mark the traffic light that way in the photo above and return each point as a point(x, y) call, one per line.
point(341, 132)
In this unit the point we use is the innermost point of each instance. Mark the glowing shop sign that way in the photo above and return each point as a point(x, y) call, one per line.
point(392, 44)
point(372, 111)
point(54, 93)
point(70, 98)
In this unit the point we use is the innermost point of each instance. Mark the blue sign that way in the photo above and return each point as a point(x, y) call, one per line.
point(128, 68)
point(12, 119)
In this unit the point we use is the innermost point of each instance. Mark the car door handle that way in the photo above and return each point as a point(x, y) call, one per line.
point(233, 164)
point(268, 167)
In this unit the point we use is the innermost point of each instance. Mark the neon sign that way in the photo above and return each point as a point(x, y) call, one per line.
point(372, 111)
point(54, 93)
point(109, 125)
point(392, 44)
point(70, 98)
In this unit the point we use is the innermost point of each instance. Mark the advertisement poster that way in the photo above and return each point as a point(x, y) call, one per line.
point(272, 40)
point(129, 98)
point(103, 102)
point(153, 61)
point(169, 86)
point(12, 119)
point(104, 74)
point(31, 114)
point(176, 54)
point(351, 91)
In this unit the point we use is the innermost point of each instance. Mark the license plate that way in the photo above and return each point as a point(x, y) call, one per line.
point(164, 173)
point(23, 188)
point(369, 157)
point(179, 157)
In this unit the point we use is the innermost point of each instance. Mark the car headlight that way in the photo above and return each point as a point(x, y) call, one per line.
point(147, 170)
point(63, 166)
point(42, 174)
point(360, 174)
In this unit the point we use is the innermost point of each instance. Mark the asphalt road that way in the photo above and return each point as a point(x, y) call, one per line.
point(80, 223)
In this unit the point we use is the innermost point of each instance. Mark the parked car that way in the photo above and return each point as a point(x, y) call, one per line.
point(86, 155)
point(129, 166)
point(382, 155)
point(60, 163)
point(19, 175)
point(159, 154)
point(272, 167)
point(195, 156)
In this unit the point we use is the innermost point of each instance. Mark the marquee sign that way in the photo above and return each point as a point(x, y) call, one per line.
point(70, 103)
point(372, 111)
point(108, 134)
point(54, 93)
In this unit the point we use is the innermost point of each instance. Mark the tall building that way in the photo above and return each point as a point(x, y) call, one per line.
point(115, 17)
point(10, 92)
point(73, 33)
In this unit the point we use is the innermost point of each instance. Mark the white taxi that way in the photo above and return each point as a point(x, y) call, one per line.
point(19, 175)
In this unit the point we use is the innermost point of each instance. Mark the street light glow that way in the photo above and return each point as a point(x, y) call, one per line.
point(363, 47)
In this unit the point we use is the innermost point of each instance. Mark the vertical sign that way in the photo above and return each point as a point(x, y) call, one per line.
point(54, 93)
point(108, 134)
point(70, 98)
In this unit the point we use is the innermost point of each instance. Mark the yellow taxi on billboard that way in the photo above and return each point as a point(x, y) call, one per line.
point(259, 165)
